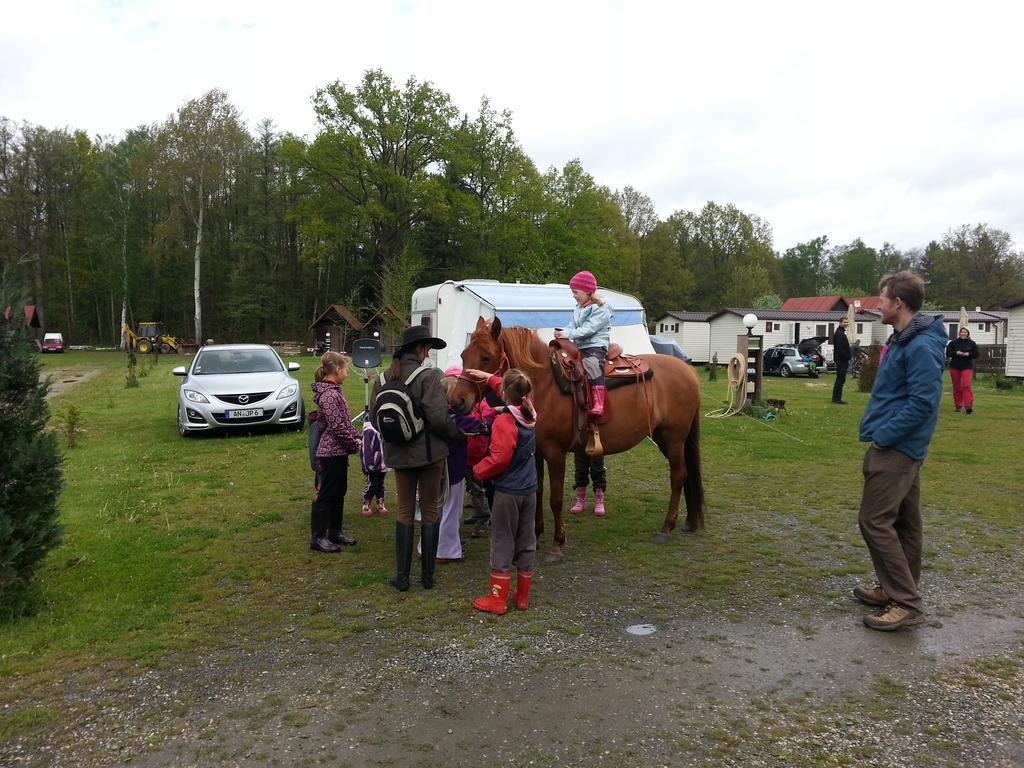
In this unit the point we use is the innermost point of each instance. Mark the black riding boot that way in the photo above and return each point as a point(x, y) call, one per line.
point(429, 536)
point(318, 540)
point(334, 532)
point(403, 556)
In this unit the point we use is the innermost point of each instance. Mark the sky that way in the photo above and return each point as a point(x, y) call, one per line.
point(892, 122)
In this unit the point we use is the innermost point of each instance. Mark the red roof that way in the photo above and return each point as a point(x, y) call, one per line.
point(815, 304)
point(868, 302)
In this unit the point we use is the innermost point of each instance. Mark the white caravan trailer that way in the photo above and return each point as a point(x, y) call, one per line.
point(450, 310)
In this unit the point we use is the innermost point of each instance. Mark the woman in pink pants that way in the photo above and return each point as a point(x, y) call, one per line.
point(960, 354)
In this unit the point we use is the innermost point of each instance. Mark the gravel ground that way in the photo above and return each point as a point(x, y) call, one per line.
point(700, 691)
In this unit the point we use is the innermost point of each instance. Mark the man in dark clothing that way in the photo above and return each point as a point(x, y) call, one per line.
point(899, 422)
point(841, 356)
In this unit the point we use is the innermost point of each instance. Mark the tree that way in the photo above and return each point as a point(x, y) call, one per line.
point(201, 146)
point(583, 228)
point(374, 166)
point(804, 268)
point(728, 251)
point(857, 266)
point(30, 477)
point(665, 283)
point(637, 211)
point(974, 266)
point(767, 301)
point(494, 199)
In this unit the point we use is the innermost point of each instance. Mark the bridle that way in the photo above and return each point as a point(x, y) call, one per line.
point(503, 365)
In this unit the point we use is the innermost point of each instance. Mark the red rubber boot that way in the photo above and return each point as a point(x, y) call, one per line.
point(597, 409)
point(521, 597)
point(497, 601)
point(599, 502)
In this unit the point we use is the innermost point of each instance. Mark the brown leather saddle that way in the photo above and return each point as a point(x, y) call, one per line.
point(619, 370)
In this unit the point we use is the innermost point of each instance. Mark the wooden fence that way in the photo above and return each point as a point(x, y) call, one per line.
point(991, 358)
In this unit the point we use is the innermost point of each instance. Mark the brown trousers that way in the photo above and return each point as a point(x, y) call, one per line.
point(513, 532)
point(428, 481)
point(890, 522)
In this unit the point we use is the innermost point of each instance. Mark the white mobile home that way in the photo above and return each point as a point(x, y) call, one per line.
point(1015, 340)
point(690, 330)
point(451, 309)
point(781, 327)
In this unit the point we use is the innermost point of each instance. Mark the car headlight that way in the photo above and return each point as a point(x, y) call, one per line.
point(287, 391)
point(195, 397)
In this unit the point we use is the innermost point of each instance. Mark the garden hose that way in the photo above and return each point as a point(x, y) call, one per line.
point(736, 394)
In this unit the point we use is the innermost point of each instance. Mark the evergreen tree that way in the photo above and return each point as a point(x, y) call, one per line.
point(30, 477)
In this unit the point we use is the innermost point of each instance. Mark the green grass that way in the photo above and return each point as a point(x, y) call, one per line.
point(200, 545)
point(168, 541)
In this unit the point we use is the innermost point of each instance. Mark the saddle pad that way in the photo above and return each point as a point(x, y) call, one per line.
point(622, 380)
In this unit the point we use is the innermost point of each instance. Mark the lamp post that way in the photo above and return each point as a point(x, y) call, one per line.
point(749, 347)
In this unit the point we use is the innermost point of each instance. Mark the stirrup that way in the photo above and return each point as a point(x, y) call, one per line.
point(594, 447)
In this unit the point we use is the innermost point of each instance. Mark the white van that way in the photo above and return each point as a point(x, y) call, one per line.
point(53, 342)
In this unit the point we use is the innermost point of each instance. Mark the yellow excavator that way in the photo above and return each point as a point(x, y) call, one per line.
point(150, 337)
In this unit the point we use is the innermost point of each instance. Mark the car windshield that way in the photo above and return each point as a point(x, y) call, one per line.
point(51, 337)
point(215, 362)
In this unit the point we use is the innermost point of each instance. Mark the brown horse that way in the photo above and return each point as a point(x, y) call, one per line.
point(665, 408)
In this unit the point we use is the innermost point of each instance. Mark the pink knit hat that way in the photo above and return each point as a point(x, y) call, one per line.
point(583, 281)
point(453, 370)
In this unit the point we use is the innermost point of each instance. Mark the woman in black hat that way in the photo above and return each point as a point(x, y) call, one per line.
point(419, 462)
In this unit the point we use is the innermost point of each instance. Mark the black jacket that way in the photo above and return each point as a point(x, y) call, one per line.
point(841, 347)
point(961, 362)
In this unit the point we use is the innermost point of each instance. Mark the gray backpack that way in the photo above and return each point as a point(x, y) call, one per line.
point(314, 440)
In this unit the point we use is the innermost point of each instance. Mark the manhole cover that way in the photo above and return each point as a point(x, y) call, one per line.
point(641, 629)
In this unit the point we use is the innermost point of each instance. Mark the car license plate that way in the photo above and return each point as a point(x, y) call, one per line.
point(243, 414)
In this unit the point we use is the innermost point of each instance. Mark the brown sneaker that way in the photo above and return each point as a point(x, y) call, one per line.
point(893, 617)
point(871, 595)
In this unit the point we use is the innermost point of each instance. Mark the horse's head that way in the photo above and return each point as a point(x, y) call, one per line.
point(484, 349)
point(482, 353)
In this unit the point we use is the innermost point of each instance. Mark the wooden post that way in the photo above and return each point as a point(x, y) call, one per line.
point(750, 347)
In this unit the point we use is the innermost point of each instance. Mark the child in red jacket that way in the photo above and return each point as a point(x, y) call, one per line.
point(510, 463)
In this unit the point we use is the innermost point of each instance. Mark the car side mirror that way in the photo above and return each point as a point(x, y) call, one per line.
point(179, 371)
point(293, 366)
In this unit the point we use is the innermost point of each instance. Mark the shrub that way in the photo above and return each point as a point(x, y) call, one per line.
point(30, 477)
point(868, 370)
point(71, 425)
point(131, 380)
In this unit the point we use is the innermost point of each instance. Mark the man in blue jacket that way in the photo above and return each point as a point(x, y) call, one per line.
point(899, 422)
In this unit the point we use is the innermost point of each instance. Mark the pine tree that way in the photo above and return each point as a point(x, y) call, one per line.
point(30, 476)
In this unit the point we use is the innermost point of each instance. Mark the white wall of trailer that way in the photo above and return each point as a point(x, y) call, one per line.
point(451, 310)
point(1015, 342)
point(693, 336)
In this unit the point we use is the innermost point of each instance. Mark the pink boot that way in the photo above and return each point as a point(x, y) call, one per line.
point(599, 502)
point(581, 499)
point(597, 408)
point(367, 512)
point(381, 509)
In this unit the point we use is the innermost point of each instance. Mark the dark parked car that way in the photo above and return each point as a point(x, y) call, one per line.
point(786, 360)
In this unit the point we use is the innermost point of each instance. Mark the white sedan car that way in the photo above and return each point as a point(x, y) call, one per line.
point(238, 385)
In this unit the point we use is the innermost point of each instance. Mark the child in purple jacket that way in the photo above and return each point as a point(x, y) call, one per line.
point(449, 543)
point(374, 468)
point(338, 440)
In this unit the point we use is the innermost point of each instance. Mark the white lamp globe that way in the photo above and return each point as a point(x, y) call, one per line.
point(749, 321)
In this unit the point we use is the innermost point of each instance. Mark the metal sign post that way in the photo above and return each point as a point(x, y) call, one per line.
point(366, 354)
